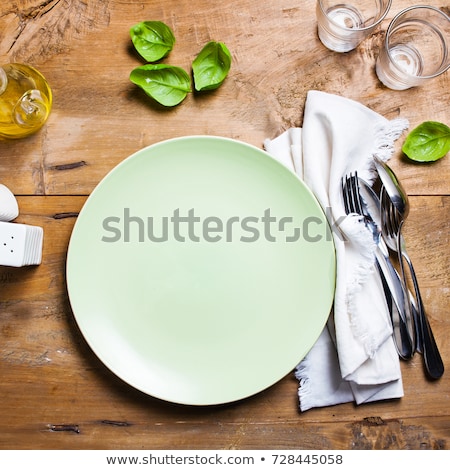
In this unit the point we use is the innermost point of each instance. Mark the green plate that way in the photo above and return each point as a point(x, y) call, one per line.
point(201, 270)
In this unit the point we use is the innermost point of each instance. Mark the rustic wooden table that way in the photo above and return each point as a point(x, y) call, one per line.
point(54, 392)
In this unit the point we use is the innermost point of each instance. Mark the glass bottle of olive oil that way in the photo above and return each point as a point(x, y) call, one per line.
point(25, 100)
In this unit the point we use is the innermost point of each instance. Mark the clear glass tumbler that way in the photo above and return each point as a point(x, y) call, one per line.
point(25, 100)
point(342, 25)
point(416, 48)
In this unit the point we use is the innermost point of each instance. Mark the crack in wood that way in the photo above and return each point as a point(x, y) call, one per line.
point(46, 29)
point(65, 215)
point(64, 428)
point(374, 421)
point(38, 10)
point(28, 14)
point(115, 423)
point(68, 166)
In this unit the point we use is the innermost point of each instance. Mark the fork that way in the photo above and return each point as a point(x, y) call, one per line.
point(353, 203)
point(391, 229)
point(427, 343)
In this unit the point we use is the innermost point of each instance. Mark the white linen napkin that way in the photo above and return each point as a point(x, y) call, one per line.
point(355, 357)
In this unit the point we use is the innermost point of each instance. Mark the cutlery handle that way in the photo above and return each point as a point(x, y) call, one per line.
point(403, 339)
point(431, 356)
point(416, 323)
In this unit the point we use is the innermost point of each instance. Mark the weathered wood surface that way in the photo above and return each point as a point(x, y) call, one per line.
point(54, 393)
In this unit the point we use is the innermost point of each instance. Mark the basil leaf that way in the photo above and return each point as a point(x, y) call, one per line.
point(166, 84)
point(211, 66)
point(428, 142)
point(152, 39)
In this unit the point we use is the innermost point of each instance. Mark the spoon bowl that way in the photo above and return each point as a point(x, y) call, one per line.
point(393, 187)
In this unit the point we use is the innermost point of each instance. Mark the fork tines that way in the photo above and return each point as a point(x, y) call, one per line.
point(351, 195)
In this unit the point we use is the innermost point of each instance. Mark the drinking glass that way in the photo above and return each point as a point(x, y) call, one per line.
point(416, 48)
point(343, 25)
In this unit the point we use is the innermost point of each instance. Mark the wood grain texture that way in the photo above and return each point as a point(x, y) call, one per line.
point(54, 392)
point(38, 30)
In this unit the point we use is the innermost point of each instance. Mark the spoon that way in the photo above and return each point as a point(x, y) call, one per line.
point(395, 210)
point(400, 315)
point(394, 189)
point(432, 358)
point(396, 206)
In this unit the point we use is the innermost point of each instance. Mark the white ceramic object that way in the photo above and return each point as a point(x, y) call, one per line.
point(20, 244)
point(9, 208)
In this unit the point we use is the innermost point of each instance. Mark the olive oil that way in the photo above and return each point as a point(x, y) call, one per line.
point(25, 100)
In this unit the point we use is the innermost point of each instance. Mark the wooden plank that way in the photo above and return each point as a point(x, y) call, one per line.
point(367, 433)
point(99, 117)
point(54, 392)
point(52, 380)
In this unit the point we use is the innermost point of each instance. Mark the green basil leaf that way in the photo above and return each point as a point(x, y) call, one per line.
point(166, 84)
point(428, 142)
point(152, 39)
point(211, 66)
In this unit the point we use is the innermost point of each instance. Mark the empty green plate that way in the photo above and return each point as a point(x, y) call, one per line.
point(201, 270)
